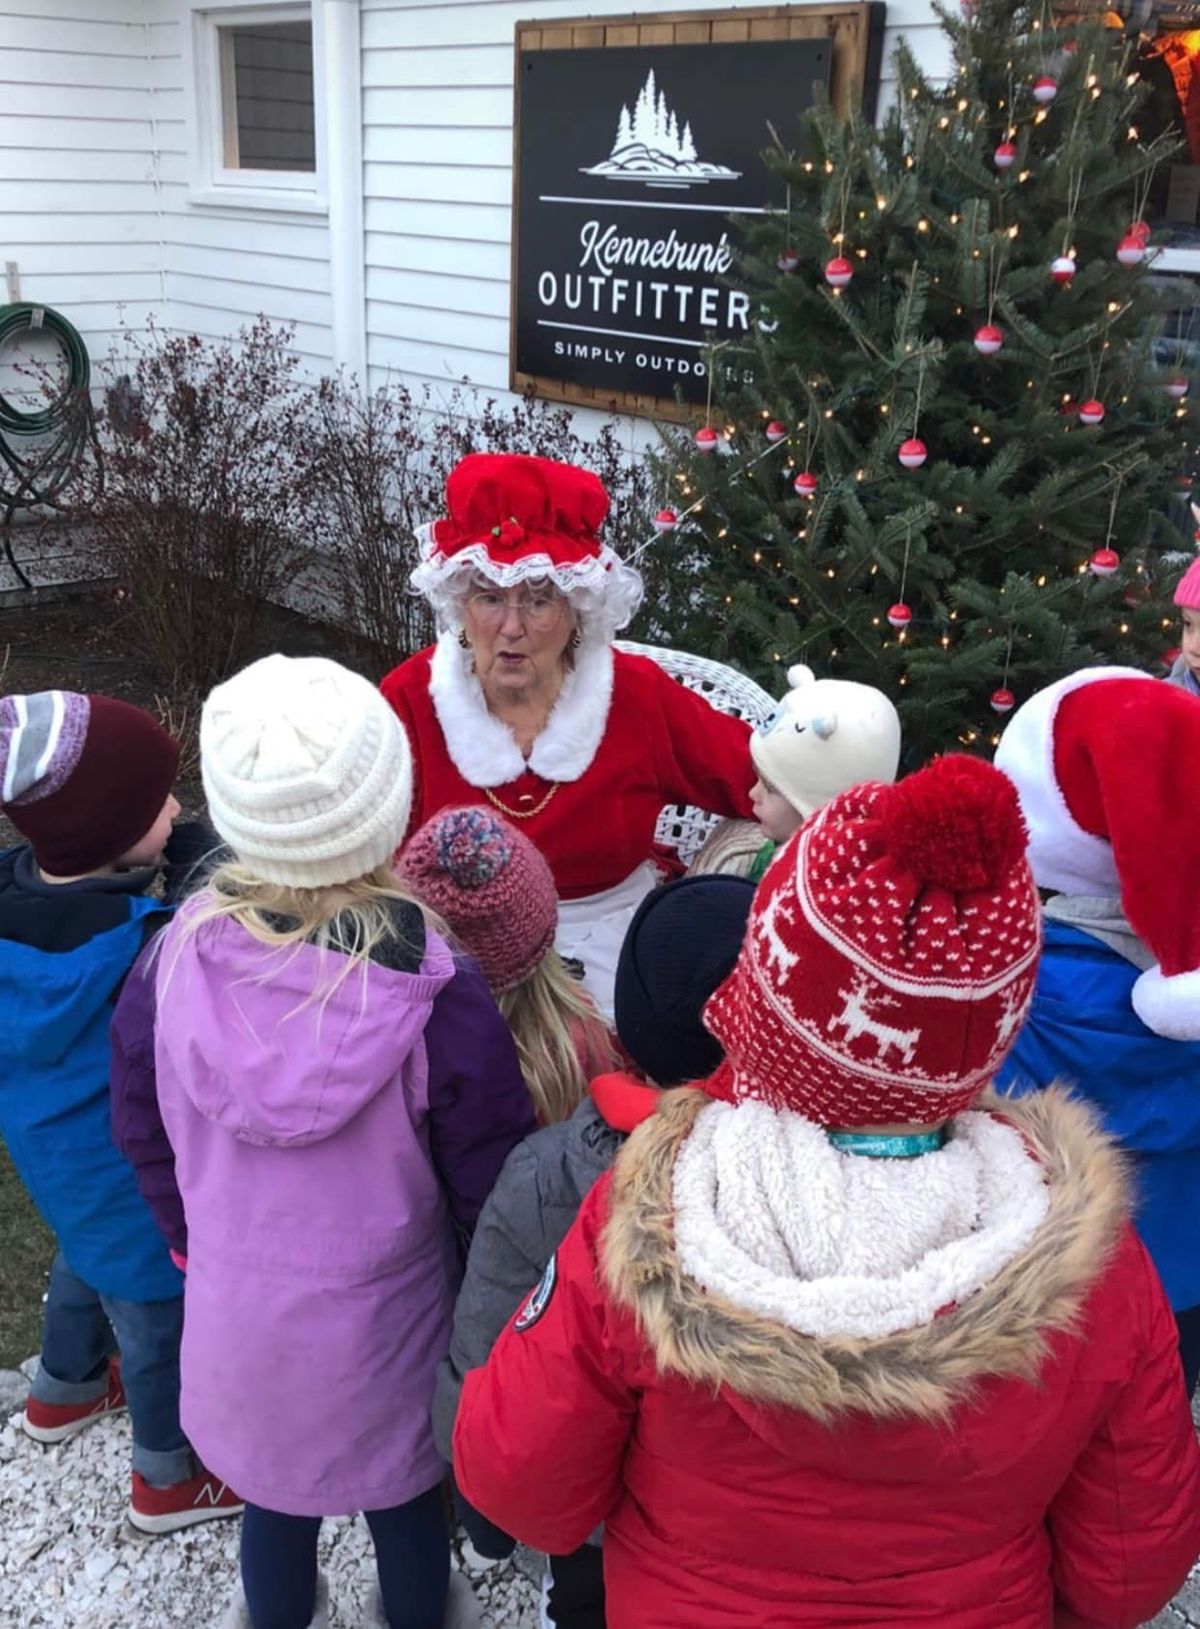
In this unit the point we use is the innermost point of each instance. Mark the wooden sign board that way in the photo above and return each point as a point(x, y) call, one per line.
point(636, 140)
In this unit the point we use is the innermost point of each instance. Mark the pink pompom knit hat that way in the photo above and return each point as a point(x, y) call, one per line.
point(1187, 594)
point(490, 885)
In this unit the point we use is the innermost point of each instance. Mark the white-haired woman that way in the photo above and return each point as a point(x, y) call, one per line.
point(524, 704)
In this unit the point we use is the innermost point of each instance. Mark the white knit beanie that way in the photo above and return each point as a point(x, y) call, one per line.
point(307, 771)
point(826, 736)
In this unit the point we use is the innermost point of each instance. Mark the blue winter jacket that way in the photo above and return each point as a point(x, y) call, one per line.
point(1082, 1029)
point(64, 954)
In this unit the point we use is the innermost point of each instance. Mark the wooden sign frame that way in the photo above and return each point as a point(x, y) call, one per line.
point(854, 30)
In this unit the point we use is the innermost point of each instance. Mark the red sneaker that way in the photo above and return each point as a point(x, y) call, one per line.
point(203, 1498)
point(55, 1422)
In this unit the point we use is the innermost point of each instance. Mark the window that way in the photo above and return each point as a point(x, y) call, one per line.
point(257, 93)
point(268, 117)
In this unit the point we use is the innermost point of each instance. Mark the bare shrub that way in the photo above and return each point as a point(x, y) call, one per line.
point(203, 499)
point(180, 717)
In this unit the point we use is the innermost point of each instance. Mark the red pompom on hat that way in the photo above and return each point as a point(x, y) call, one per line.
point(890, 955)
point(1104, 763)
point(514, 519)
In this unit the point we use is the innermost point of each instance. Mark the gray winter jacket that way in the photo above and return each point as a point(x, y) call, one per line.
point(526, 1217)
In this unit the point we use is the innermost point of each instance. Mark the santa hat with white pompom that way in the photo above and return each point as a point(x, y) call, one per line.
point(1104, 763)
point(825, 736)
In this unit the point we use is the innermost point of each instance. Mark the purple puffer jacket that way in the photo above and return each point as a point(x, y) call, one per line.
point(321, 1149)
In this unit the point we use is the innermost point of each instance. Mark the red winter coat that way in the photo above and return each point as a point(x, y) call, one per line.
point(623, 740)
point(1026, 1459)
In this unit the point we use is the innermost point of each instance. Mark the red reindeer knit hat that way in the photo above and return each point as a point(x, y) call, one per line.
point(890, 955)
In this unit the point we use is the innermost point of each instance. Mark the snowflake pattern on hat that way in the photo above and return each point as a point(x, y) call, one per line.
point(867, 992)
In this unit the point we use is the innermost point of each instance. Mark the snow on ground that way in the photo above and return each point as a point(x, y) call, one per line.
point(69, 1559)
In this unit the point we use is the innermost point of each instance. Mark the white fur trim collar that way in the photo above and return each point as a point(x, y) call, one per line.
point(769, 1215)
point(1062, 855)
point(484, 750)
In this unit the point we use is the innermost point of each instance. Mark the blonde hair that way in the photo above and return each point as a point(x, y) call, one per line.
point(556, 1027)
point(352, 918)
point(731, 849)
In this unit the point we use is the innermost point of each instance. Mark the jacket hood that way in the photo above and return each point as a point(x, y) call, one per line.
point(258, 1054)
point(55, 998)
point(768, 1370)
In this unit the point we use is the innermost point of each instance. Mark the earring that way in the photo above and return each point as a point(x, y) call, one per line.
point(463, 640)
point(575, 640)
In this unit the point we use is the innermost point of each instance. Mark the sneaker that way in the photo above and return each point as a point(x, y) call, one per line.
point(202, 1498)
point(55, 1422)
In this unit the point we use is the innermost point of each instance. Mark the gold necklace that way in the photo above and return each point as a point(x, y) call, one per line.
point(519, 814)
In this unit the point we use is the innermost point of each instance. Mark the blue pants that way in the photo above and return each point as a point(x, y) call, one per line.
point(81, 1332)
point(412, 1553)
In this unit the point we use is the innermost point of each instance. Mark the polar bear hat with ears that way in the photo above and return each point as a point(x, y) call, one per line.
point(1104, 763)
point(826, 736)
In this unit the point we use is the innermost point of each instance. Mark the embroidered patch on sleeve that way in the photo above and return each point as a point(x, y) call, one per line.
point(537, 1303)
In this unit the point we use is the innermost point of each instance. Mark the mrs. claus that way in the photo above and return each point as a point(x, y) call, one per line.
point(524, 704)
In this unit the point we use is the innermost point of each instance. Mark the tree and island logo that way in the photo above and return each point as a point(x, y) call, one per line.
point(651, 147)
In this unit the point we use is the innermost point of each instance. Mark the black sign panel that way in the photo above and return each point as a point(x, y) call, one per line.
point(632, 160)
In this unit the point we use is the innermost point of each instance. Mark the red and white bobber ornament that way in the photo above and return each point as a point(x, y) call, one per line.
point(899, 615)
point(788, 260)
point(775, 431)
point(1131, 250)
point(706, 439)
point(1176, 387)
point(1091, 411)
point(913, 453)
point(1062, 269)
point(1005, 155)
point(838, 271)
point(666, 520)
point(1104, 562)
point(1045, 89)
point(806, 483)
point(1002, 700)
point(988, 339)
point(1140, 229)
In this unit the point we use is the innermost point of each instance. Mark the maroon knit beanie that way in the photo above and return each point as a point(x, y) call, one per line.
point(82, 778)
point(491, 887)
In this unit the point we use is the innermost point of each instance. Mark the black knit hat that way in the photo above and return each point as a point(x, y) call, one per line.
point(681, 944)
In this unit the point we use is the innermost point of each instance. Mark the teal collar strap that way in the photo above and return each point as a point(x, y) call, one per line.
point(904, 1146)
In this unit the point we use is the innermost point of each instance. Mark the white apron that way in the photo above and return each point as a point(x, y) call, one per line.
point(592, 931)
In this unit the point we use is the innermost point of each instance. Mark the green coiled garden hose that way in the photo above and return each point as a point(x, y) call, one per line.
point(40, 450)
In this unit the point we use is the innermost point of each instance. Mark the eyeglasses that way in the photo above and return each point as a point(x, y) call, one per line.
point(538, 611)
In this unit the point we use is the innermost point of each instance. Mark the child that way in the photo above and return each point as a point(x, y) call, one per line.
point(826, 736)
point(1104, 763)
point(681, 944)
point(1186, 672)
point(494, 891)
point(338, 1093)
point(87, 781)
point(839, 1339)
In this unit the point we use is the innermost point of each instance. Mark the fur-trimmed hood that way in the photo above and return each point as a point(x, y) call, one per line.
point(1001, 1329)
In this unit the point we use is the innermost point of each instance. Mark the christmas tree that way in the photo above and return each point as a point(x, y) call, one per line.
point(950, 473)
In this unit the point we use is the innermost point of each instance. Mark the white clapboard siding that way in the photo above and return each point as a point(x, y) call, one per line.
point(437, 148)
point(78, 211)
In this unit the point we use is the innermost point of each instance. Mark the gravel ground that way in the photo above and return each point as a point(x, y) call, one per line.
point(69, 1560)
